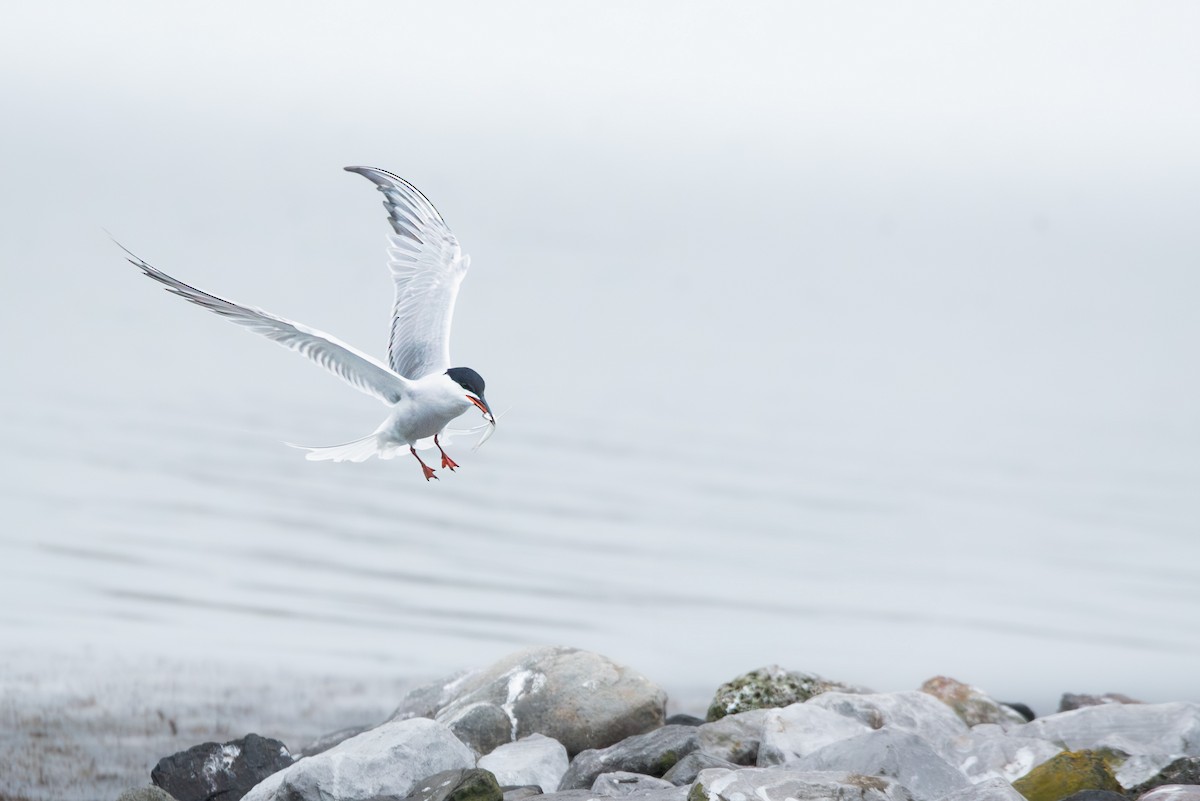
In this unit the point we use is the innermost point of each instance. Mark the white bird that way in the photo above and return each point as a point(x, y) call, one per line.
point(423, 392)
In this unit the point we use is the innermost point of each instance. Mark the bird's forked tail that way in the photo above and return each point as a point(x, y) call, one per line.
point(358, 450)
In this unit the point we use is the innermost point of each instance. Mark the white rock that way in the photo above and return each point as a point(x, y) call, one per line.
point(893, 753)
point(988, 752)
point(1136, 729)
point(535, 759)
point(1172, 792)
point(911, 711)
point(1142, 767)
point(800, 729)
point(989, 790)
point(776, 784)
point(388, 760)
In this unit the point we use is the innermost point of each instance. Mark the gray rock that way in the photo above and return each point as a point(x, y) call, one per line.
point(214, 770)
point(734, 738)
point(667, 794)
point(911, 711)
point(1184, 770)
point(388, 760)
point(1071, 701)
point(652, 754)
point(988, 752)
point(988, 790)
point(1096, 795)
point(533, 760)
point(146, 794)
point(1173, 792)
point(800, 729)
point(1140, 769)
point(970, 703)
point(482, 726)
point(899, 755)
point(623, 784)
point(579, 698)
point(768, 688)
point(687, 769)
point(682, 719)
point(1150, 729)
point(522, 792)
point(461, 784)
point(775, 784)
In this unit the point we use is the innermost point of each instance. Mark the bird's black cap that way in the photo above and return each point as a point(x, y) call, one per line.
point(468, 379)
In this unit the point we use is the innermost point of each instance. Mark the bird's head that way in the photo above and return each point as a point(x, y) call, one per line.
point(472, 385)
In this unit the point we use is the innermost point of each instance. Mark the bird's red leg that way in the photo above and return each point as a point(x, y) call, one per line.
point(446, 460)
point(428, 470)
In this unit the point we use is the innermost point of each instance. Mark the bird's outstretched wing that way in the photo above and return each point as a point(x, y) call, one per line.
point(352, 366)
point(427, 267)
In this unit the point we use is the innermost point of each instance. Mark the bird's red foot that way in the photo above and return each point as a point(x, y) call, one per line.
point(424, 467)
point(446, 460)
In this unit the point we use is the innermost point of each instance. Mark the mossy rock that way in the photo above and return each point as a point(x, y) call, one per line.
point(767, 688)
point(1068, 773)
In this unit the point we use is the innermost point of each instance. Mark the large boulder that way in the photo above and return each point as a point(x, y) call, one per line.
point(911, 711)
point(224, 771)
point(582, 699)
point(389, 760)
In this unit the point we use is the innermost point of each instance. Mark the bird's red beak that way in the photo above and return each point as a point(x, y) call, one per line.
point(482, 406)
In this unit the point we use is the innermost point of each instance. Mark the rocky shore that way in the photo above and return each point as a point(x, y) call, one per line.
point(570, 725)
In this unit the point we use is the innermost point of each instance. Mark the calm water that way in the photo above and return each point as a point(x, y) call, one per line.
point(186, 530)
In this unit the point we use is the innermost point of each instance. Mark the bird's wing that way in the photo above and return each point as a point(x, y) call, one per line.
point(352, 366)
point(427, 267)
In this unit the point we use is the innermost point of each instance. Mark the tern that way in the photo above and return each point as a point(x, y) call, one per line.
point(423, 392)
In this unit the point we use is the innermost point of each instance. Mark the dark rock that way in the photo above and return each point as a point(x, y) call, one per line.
point(1067, 774)
point(1021, 709)
point(1071, 701)
point(652, 754)
point(1096, 795)
point(327, 741)
point(687, 769)
point(463, 784)
point(387, 761)
point(225, 771)
point(145, 794)
point(684, 720)
point(1185, 770)
point(970, 703)
point(579, 698)
point(767, 688)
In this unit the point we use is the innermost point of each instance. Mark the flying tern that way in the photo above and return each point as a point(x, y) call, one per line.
point(422, 391)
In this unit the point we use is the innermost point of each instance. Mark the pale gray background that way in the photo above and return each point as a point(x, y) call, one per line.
point(856, 337)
